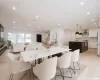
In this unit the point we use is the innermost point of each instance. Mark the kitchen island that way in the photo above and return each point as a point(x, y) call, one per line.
point(82, 45)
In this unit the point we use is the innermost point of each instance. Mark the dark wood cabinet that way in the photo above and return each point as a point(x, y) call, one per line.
point(2, 43)
point(74, 45)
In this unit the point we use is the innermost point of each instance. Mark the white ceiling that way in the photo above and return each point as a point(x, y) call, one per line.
point(50, 13)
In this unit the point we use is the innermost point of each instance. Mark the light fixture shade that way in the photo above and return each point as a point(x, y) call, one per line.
point(77, 33)
point(80, 33)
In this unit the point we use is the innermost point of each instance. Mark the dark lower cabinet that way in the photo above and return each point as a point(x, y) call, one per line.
point(2, 48)
point(83, 46)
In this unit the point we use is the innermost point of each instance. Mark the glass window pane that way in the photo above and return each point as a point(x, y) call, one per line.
point(12, 37)
point(21, 35)
point(28, 35)
point(28, 40)
point(20, 40)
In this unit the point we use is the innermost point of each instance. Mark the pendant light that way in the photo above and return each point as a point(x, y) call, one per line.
point(80, 33)
point(77, 30)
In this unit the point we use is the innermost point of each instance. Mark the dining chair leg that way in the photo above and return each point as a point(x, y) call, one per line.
point(23, 76)
point(70, 73)
point(78, 66)
point(11, 77)
point(63, 74)
point(55, 77)
point(30, 73)
point(74, 68)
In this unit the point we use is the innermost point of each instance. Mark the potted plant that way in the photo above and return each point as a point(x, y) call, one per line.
point(9, 44)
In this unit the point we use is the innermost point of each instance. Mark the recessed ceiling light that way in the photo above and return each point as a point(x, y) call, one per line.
point(37, 16)
point(38, 26)
point(28, 25)
point(14, 8)
point(14, 27)
point(82, 3)
point(14, 22)
point(92, 20)
point(88, 12)
point(59, 24)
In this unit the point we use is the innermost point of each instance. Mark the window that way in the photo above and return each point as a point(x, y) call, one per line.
point(19, 38)
point(28, 38)
point(12, 37)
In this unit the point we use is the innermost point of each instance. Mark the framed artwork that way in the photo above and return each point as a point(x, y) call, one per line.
point(54, 36)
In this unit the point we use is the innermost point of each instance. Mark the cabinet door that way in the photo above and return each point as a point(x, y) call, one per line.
point(93, 32)
point(92, 44)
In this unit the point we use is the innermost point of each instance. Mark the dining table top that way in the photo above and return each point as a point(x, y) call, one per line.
point(32, 55)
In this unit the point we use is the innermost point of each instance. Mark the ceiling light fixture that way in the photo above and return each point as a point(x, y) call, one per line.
point(37, 16)
point(58, 24)
point(14, 8)
point(38, 26)
point(28, 25)
point(14, 22)
point(88, 13)
point(82, 3)
point(14, 27)
point(92, 20)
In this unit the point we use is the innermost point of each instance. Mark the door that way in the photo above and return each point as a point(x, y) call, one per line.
point(39, 38)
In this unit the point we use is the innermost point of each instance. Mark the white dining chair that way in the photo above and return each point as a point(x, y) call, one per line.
point(46, 70)
point(18, 47)
point(75, 59)
point(64, 62)
point(17, 66)
point(31, 46)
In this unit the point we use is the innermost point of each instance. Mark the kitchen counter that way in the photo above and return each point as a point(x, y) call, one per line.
point(82, 45)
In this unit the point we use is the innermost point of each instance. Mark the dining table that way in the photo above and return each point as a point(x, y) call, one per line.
point(29, 56)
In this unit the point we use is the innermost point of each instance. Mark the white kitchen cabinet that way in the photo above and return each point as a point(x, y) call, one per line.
point(92, 43)
point(93, 32)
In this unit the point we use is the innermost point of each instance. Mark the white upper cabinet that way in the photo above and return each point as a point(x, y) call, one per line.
point(93, 32)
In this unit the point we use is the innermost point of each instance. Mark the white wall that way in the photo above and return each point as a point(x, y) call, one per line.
point(69, 35)
point(63, 36)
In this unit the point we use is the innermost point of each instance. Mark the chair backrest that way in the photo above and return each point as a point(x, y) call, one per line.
point(15, 65)
point(18, 47)
point(47, 69)
point(31, 46)
point(75, 55)
point(65, 60)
